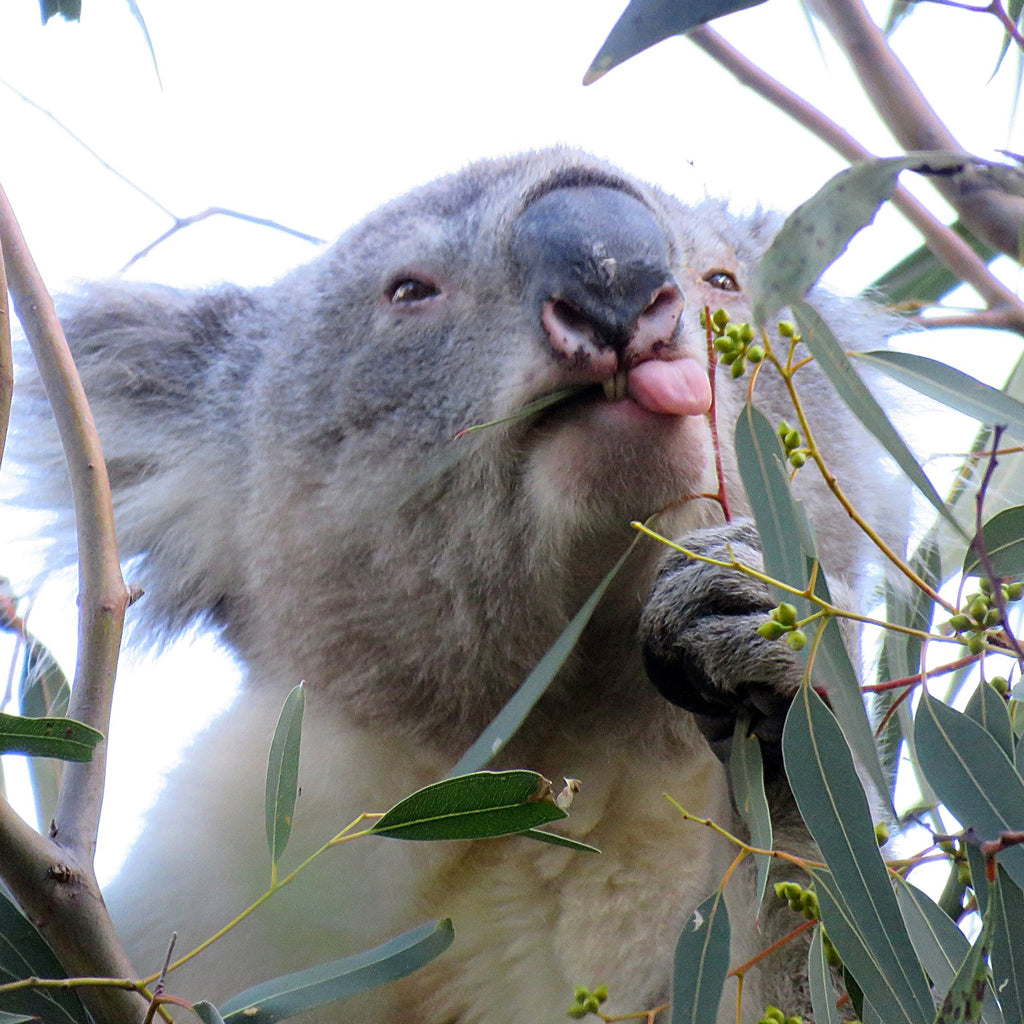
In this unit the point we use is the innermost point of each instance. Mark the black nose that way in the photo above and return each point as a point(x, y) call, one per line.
point(598, 260)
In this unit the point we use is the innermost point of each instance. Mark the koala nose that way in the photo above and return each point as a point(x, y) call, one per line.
point(597, 263)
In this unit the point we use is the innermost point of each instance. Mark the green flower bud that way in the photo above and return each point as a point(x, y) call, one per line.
point(600, 993)
point(755, 353)
point(881, 833)
point(976, 644)
point(577, 1012)
point(592, 1004)
point(783, 429)
point(785, 613)
point(960, 622)
point(985, 585)
point(720, 318)
point(738, 367)
point(1015, 591)
point(787, 329)
point(978, 609)
point(992, 618)
point(771, 630)
point(797, 639)
point(723, 345)
point(797, 459)
point(791, 441)
point(746, 333)
point(1000, 684)
point(580, 993)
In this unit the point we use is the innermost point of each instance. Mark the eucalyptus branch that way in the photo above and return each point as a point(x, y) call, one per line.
point(53, 879)
point(995, 8)
point(989, 213)
point(945, 243)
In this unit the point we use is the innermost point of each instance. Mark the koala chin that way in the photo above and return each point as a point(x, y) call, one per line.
point(284, 472)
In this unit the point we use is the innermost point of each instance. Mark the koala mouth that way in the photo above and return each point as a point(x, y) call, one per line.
point(671, 387)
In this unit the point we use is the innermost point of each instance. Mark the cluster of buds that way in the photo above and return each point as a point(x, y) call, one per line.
point(805, 902)
point(773, 1015)
point(791, 440)
point(734, 342)
point(782, 621)
point(587, 1001)
point(979, 614)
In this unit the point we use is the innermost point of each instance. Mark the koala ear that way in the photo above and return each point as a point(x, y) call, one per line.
point(155, 367)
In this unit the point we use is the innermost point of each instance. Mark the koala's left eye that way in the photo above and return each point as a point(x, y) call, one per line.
point(411, 289)
point(722, 280)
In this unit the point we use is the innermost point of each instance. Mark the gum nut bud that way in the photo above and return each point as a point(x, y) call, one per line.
point(747, 333)
point(784, 428)
point(960, 622)
point(580, 992)
point(992, 617)
point(1015, 591)
point(577, 1012)
point(738, 367)
point(963, 873)
point(720, 318)
point(734, 333)
point(592, 1004)
point(787, 329)
point(797, 459)
point(723, 345)
point(978, 609)
point(975, 645)
point(786, 613)
point(600, 993)
point(783, 889)
point(791, 440)
point(771, 630)
point(985, 585)
point(755, 353)
point(797, 640)
point(881, 833)
point(730, 356)
point(1000, 684)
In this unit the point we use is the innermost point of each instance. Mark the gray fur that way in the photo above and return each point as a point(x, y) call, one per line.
point(282, 465)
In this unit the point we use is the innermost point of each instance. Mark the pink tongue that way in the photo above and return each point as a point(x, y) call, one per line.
point(678, 387)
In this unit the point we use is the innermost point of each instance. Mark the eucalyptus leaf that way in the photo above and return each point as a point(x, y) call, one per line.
point(746, 772)
point(477, 806)
point(948, 385)
point(819, 977)
point(1002, 538)
point(971, 775)
point(556, 840)
point(820, 229)
point(989, 710)
point(24, 954)
point(831, 800)
point(701, 963)
point(48, 737)
point(832, 360)
point(869, 964)
point(283, 773)
point(940, 945)
point(290, 994)
point(1008, 949)
point(646, 22)
point(207, 1012)
point(521, 703)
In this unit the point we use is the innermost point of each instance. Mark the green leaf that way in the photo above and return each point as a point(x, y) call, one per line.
point(964, 1001)
point(48, 737)
point(283, 773)
point(746, 771)
point(893, 998)
point(646, 22)
point(989, 710)
point(941, 946)
point(947, 385)
point(831, 359)
point(972, 776)
point(922, 277)
point(819, 230)
point(1003, 540)
point(291, 994)
point(832, 802)
point(557, 840)
point(24, 954)
point(1008, 949)
point(701, 963)
point(207, 1012)
point(819, 977)
point(477, 806)
point(513, 714)
point(18, 1018)
point(779, 517)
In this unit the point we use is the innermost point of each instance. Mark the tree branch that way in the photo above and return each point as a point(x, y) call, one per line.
point(992, 215)
point(6, 358)
point(945, 243)
point(53, 878)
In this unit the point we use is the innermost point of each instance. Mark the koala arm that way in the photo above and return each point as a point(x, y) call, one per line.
point(702, 649)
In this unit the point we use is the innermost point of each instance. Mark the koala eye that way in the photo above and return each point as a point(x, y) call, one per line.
point(722, 280)
point(411, 289)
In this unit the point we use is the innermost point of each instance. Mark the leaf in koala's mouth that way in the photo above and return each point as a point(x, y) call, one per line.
point(531, 408)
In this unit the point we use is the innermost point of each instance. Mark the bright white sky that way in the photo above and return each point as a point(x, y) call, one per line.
point(312, 113)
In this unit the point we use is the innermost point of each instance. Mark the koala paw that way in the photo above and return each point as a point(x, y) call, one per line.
point(701, 647)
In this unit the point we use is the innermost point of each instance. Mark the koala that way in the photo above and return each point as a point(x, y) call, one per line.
point(284, 471)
